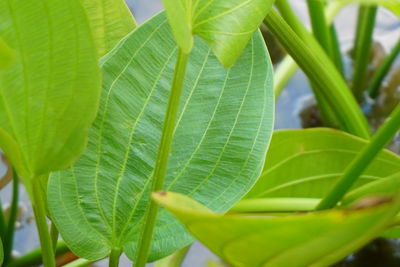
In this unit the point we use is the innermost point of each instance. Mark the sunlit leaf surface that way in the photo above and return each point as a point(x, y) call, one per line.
point(306, 163)
point(226, 26)
point(49, 95)
point(222, 132)
point(110, 21)
point(308, 239)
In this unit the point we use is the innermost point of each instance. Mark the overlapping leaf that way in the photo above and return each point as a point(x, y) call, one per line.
point(110, 21)
point(226, 26)
point(223, 128)
point(305, 163)
point(6, 55)
point(310, 239)
point(49, 95)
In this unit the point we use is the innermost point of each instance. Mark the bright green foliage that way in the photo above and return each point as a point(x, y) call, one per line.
point(223, 128)
point(6, 55)
point(306, 163)
point(311, 239)
point(392, 5)
point(49, 95)
point(110, 21)
point(226, 26)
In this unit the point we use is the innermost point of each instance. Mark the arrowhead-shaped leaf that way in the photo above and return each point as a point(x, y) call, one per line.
point(223, 129)
point(49, 95)
point(226, 26)
point(306, 163)
point(309, 239)
point(110, 21)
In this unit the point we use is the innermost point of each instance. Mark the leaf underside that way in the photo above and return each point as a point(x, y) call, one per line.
point(223, 129)
point(309, 239)
point(53, 80)
point(306, 163)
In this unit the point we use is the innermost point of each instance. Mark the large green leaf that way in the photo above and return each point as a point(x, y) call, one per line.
point(110, 20)
point(310, 239)
point(223, 129)
point(7, 55)
point(226, 26)
point(49, 95)
point(306, 163)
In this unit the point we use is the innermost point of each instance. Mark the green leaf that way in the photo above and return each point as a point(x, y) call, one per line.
point(306, 163)
point(309, 239)
point(110, 21)
point(226, 26)
point(1, 253)
point(7, 55)
point(392, 5)
point(223, 129)
point(49, 96)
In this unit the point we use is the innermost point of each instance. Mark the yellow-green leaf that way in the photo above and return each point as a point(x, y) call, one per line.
point(7, 55)
point(49, 95)
point(109, 20)
point(308, 239)
point(226, 26)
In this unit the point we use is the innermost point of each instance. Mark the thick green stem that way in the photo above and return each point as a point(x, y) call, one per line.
point(362, 160)
point(327, 114)
point(162, 159)
point(174, 260)
point(321, 71)
point(381, 72)
point(115, 254)
point(275, 205)
point(362, 48)
point(39, 209)
point(9, 234)
point(34, 257)
point(3, 225)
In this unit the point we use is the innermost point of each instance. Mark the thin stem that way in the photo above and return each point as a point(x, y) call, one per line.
point(275, 205)
point(115, 254)
point(9, 235)
point(39, 209)
point(362, 48)
point(54, 235)
point(321, 71)
point(337, 54)
point(283, 74)
point(162, 158)
point(3, 225)
point(362, 160)
point(174, 260)
point(34, 257)
point(373, 89)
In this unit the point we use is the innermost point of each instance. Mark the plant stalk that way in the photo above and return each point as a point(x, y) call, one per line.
point(162, 159)
point(34, 257)
point(39, 209)
point(362, 48)
point(3, 225)
point(373, 89)
point(9, 234)
point(321, 71)
point(54, 235)
point(115, 254)
point(382, 137)
point(174, 260)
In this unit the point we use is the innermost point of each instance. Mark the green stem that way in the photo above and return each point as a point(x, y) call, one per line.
point(114, 257)
point(162, 159)
point(34, 257)
point(275, 205)
point(283, 74)
point(337, 54)
point(319, 25)
point(362, 48)
point(3, 225)
point(79, 263)
point(54, 235)
point(39, 209)
point(321, 71)
point(328, 115)
point(381, 72)
point(174, 260)
point(362, 160)
point(9, 235)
